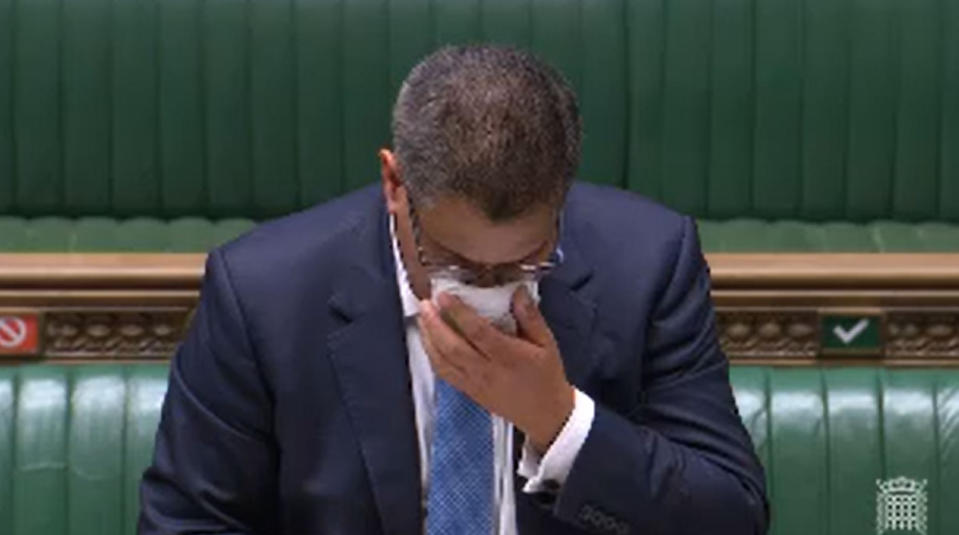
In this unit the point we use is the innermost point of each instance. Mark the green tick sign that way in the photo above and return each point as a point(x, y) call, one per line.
point(847, 333)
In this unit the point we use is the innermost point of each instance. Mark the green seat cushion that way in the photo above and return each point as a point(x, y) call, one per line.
point(750, 235)
point(192, 234)
point(98, 234)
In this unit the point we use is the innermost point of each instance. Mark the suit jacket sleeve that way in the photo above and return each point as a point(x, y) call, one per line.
point(680, 462)
point(214, 465)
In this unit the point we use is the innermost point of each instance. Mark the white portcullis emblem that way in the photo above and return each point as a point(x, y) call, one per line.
point(901, 505)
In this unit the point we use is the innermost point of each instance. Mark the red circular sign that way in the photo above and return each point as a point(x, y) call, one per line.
point(13, 332)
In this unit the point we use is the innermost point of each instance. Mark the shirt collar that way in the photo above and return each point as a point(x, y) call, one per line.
point(411, 305)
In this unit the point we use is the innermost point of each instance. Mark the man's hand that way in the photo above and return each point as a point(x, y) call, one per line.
point(520, 378)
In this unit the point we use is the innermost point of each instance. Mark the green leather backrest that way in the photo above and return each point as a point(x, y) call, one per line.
point(74, 441)
point(801, 109)
point(828, 436)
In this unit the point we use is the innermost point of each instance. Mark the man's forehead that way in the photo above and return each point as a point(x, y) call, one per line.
point(463, 229)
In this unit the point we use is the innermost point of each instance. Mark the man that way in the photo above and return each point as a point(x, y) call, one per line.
point(491, 350)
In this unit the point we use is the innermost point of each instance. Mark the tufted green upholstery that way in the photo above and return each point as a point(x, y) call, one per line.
point(73, 443)
point(180, 235)
point(741, 235)
point(103, 234)
point(75, 439)
point(807, 110)
point(827, 435)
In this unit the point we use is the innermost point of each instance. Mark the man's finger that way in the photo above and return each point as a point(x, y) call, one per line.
point(447, 341)
point(532, 325)
point(442, 366)
point(476, 330)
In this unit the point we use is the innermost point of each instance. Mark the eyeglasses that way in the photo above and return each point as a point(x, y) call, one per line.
point(485, 275)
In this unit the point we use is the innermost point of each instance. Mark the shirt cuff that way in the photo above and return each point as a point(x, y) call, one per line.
point(549, 472)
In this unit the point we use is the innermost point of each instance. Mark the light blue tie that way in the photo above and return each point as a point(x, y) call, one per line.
point(460, 500)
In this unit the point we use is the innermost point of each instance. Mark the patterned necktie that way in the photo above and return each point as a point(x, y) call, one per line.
point(460, 500)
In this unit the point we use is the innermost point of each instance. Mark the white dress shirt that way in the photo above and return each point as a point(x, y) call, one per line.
point(554, 466)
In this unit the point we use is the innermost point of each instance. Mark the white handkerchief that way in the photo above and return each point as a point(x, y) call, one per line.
point(492, 303)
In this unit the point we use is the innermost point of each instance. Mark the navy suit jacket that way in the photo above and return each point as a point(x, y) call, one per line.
point(289, 407)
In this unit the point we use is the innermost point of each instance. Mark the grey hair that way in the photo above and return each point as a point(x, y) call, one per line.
point(490, 124)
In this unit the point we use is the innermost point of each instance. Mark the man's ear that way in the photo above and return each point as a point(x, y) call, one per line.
point(393, 192)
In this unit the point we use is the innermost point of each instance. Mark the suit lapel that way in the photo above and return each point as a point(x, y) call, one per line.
point(369, 355)
point(569, 312)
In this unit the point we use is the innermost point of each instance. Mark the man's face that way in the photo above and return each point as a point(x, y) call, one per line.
point(453, 232)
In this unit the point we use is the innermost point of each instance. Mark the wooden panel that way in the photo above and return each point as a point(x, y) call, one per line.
point(108, 271)
point(771, 308)
point(834, 270)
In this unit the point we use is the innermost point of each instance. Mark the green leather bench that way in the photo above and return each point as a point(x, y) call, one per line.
point(840, 445)
point(195, 235)
point(829, 125)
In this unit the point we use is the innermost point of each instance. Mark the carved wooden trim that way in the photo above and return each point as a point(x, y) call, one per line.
point(923, 334)
point(793, 336)
point(768, 333)
point(769, 306)
point(117, 334)
point(96, 307)
point(138, 333)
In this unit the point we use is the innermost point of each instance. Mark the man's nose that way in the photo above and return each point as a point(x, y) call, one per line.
point(489, 276)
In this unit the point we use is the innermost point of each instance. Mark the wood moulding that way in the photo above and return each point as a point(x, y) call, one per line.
point(771, 308)
point(98, 307)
